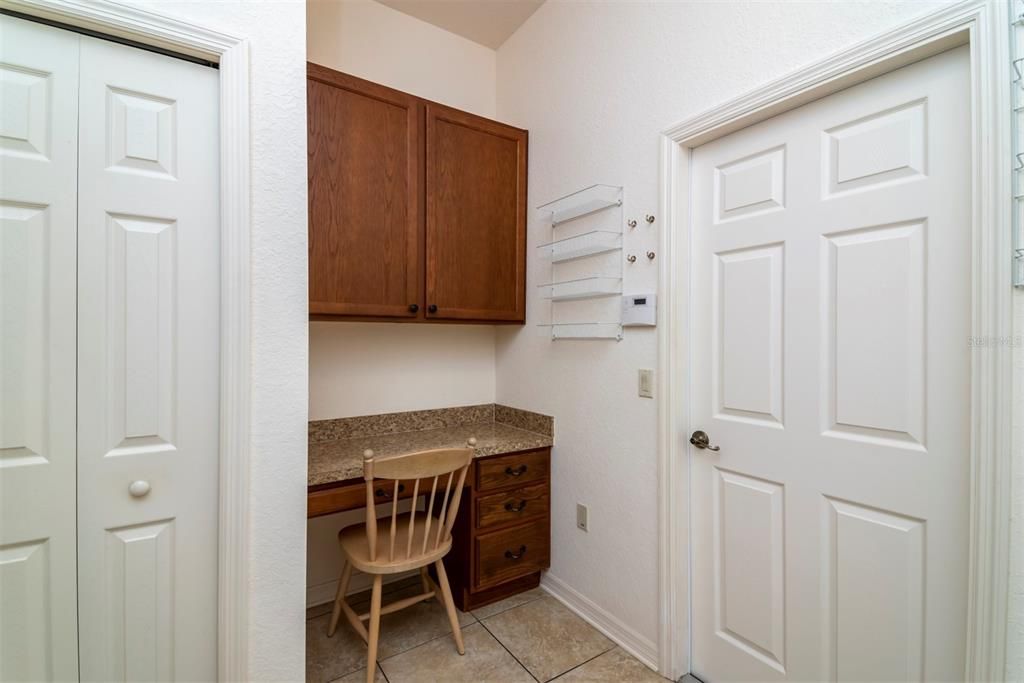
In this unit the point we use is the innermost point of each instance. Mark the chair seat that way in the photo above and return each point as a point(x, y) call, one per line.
point(356, 548)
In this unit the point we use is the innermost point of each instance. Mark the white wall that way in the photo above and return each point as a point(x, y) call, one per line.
point(276, 31)
point(368, 368)
point(595, 83)
point(373, 41)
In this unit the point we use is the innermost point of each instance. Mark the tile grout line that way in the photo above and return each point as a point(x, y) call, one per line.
point(425, 642)
point(392, 656)
point(476, 620)
point(498, 640)
point(603, 652)
point(400, 652)
point(600, 654)
point(507, 608)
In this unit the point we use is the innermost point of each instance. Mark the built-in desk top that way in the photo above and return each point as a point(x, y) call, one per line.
point(336, 446)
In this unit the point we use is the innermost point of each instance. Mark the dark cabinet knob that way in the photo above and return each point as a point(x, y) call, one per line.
point(381, 493)
point(511, 555)
point(432, 308)
point(413, 308)
point(512, 507)
point(517, 472)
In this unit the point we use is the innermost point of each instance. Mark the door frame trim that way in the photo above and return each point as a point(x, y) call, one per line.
point(231, 53)
point(981, 24)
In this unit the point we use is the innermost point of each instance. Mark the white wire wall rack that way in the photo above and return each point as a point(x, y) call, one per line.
point(583, 202)
point(585, 330)
point(585, 254)
point(585, 244)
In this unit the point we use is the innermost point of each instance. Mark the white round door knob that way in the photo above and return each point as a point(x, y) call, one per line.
point(138, 488)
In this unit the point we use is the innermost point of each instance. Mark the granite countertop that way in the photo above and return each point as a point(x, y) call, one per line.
point(336, 446)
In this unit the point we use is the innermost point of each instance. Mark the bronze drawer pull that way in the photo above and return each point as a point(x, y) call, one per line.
point(381, 493)
point(512, 507)
point(517, 472)
point(515, 556)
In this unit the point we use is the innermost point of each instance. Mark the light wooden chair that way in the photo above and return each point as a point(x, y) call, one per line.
point(402, 542)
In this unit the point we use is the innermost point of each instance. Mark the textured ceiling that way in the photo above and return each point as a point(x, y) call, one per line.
point(488, 22)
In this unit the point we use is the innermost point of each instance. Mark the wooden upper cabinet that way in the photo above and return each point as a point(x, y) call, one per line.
point(416, 211)
point(365, 197)
point(476, 217)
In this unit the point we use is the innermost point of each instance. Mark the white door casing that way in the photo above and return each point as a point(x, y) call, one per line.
point(831, 299)
point(148, 363)
point(38, 132)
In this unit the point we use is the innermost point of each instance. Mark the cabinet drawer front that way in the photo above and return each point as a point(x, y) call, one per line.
point(511, 553)
point(512, 506)
point(509, 470)
point(352, 497)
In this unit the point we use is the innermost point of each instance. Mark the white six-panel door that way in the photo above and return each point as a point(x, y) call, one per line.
point(109, 305)
point(148, 365)
point(831, 307)
point(38, 150)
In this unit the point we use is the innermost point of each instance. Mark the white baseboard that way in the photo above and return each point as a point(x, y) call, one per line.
point(324, 592)
point(625, 637)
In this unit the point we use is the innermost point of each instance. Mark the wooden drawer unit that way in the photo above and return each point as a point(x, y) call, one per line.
point(511, 553)
point(512, 470)
point(502, 537)
point(511, 507)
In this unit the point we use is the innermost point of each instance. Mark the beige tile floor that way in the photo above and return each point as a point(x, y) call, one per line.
point(528, 637)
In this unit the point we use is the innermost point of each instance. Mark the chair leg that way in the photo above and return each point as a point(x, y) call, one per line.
point(424, 578)
point(346, 574)
point(374, 628)
point(449, 605)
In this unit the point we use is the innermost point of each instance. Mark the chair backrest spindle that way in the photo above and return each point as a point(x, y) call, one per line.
point(394, 517)
point(444, 510)
point(412, 518)
point(456, 496)
point(430, 515)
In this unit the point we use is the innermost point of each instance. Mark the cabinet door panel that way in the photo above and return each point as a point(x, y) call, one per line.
point(476, 217)
point(365, 188)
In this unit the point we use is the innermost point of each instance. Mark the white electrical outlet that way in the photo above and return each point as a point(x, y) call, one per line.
point(646, 384)
point(581, 516)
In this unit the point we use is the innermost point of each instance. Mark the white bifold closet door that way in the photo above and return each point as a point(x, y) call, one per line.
point(139, 317)
point(38, 168)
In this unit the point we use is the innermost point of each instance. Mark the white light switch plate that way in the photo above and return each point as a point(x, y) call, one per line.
point(646, 384)
point(581, 516)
